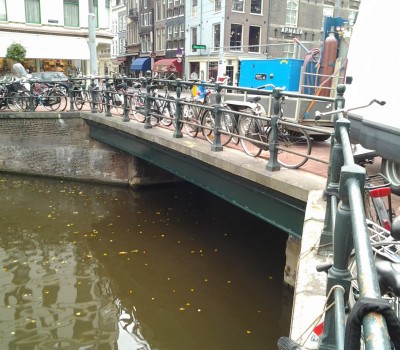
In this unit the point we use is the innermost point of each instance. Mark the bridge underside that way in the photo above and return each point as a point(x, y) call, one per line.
point(274, 207)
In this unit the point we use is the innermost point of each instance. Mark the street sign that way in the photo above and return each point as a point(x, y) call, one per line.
point(198, 47)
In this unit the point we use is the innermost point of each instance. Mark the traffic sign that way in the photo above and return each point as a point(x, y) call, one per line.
point(198, 47)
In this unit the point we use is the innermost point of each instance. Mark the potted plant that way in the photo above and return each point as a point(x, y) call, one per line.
point(16, 52)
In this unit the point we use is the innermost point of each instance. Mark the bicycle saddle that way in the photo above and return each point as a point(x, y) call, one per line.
point(388, 276)
point(254, 99)
point(137, 85)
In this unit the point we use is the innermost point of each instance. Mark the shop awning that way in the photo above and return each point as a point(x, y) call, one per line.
point(168, 65)
point(47, 46)
point(143, 63)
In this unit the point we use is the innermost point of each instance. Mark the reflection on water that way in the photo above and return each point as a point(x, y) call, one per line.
point(97, 267)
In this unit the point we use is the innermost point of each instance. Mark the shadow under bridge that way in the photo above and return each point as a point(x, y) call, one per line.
point(278, 198)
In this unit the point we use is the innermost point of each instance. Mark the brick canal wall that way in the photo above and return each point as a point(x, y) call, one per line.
point(58, 145)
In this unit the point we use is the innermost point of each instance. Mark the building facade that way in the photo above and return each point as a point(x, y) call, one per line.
point(55, 34)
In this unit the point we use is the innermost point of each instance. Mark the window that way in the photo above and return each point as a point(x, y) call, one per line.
point(194, 8)
point(237, 5)
point(236, 37)
point(254, 39)
point(256, 6)
point(108, 13)
point(169, 33)
point(292, 9)
point(213, 70)
point(158, 11)
point(158, 39)
point(3, 10)
point(32, 11)
point(217, 36)
point(194, 38)
point(217, 5)
point(96, 12)
point(288, 50)
point(71, 13)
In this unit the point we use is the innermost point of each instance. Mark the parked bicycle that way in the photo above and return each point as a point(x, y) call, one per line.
point(163, 106)
point(80, 94)
point(254, 125)
point(137, 102)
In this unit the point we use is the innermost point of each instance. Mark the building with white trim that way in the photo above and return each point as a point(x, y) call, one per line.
point(55, 34)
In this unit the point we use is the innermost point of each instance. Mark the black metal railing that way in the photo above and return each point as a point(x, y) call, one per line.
point(346, 228)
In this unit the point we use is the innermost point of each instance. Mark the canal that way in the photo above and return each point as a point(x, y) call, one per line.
point(88, 266)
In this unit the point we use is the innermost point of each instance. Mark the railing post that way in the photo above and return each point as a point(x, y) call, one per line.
point(71, 93)
point(273, 164)
point(31, 97)
point(333, 177)
point(149, 86)
point(108, 107)
point(93, 95)
point(125, 96)
point(178, 124)
point(216, 146)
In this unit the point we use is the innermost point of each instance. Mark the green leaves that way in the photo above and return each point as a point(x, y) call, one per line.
point(16, 52)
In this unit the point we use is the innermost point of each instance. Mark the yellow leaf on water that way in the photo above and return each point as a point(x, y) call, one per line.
point(122, 253)
point(181, 309)
point(248, 332)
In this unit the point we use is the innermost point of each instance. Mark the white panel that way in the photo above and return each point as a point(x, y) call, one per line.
point(47, 46)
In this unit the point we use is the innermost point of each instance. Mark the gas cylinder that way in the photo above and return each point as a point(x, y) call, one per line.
point(328, 63)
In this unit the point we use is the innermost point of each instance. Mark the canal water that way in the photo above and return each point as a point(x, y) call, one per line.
point(88, 266)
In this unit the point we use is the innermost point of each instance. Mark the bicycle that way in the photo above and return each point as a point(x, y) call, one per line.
point(196, 118)
point(255, 131)
point(80, 95)
point(137, 102)
point(163, 107)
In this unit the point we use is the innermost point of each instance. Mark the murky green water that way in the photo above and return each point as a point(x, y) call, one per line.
point(98, 267)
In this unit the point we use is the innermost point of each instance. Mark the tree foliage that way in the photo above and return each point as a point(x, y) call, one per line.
point(16, 52)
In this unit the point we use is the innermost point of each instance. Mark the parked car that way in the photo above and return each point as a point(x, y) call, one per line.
point(56, 77)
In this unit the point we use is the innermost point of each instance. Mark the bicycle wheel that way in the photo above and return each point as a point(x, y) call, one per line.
point(154, 117)
point(80, 98)
point(190, 118)
point(118, 103)
point(250, 129)
point(137, 104)
point(19, 101)
point(55, 101)
point(168, 112)
point(208, 124)
point(288, 141)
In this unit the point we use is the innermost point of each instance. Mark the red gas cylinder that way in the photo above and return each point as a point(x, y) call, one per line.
point(328, 64)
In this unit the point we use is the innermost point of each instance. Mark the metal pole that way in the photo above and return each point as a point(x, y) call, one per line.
point(92, 39)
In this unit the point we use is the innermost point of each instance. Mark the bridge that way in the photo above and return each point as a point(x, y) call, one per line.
point(278, 197)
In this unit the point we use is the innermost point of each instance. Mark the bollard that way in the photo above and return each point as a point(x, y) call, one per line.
point(93, 95)
point(71, 93)
point(125, 97)
point(216, 146)
point(108, 108)
point(31, 97)
point(178, 124)
point(149, 86)
point(273, 164)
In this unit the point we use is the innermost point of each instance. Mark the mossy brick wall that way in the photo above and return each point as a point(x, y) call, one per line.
point(58, 145)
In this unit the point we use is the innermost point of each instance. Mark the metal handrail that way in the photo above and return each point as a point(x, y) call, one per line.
point(346, 228)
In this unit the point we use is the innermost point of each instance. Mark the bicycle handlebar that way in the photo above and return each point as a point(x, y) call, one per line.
point(319, 114)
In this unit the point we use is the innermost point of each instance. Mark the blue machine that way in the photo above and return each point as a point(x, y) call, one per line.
point(280, 72)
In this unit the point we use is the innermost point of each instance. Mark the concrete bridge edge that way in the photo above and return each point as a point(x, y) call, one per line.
point(302, 257)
